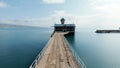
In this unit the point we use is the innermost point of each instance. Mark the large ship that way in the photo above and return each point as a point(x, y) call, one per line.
point(70, 28)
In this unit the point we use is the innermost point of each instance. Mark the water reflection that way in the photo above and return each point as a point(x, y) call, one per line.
point(71, 39)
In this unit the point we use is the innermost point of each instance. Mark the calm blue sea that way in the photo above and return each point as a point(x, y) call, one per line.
point(20, 46)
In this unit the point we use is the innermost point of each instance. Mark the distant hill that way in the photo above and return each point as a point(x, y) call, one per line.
point(14, 25)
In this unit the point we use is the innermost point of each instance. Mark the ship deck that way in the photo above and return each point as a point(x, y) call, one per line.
point(57, 54)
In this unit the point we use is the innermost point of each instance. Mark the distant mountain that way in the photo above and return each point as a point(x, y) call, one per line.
point(14, 25)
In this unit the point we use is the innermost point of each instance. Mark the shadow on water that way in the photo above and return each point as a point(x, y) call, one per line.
point(71, 39)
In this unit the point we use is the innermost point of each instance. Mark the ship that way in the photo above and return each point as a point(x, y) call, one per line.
point(68, 28)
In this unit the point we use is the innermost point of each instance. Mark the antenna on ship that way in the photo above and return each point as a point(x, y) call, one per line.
point(62, 20)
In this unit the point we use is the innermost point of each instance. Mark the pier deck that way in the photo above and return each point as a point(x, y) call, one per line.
point(57, 54)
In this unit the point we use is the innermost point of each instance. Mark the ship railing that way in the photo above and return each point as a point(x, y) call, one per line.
point(36, 61)
point(79, 60)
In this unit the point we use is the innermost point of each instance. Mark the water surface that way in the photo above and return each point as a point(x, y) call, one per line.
point(97, 50)
point(20, 46)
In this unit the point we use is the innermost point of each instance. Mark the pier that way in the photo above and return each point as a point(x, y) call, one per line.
point(107, 31)
point(57, 54)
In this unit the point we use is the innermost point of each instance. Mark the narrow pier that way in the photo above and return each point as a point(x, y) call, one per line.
point(56, 54)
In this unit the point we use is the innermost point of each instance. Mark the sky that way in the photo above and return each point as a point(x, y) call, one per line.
point(97, 14)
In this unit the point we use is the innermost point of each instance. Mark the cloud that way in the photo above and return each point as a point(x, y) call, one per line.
point(61, 13)
point(93, 21)
point(58, 14)
point(3, 5)
point(110, 11)
point(84, 21)
point(54, 1)
point(81, 21)
point(106, 6)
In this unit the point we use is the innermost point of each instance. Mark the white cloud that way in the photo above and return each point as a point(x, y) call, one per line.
point(110, 10)
point(106, 6)
point(58, 14)
point(44, 21)
point(61, 13)
point(3, 5)
point(54, 1)
point(81, 21)
point(94, 21)
point(87, 21)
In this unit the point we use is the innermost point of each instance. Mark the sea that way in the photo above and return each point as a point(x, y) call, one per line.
point(19, 46)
